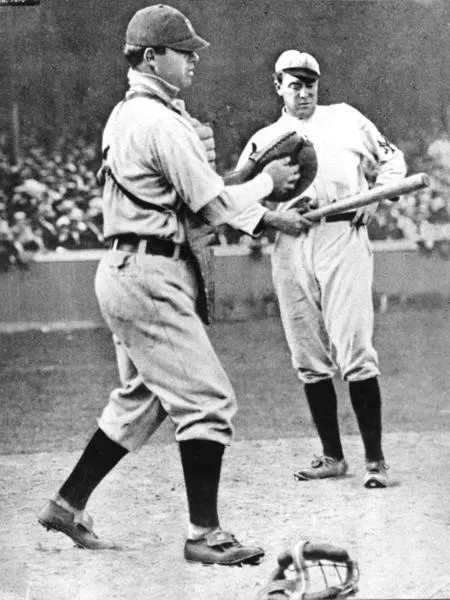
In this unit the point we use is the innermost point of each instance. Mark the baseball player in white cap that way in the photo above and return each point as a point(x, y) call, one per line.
point(323, 278)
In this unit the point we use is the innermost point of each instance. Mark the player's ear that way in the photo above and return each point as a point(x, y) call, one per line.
point(149, 55)
point(277, 83)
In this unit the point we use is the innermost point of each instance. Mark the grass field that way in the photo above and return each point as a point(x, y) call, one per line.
point(55, 383)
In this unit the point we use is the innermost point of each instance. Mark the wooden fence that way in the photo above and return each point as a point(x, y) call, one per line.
point(57, 290)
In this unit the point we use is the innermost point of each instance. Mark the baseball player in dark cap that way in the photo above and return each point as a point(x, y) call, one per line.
point(323, 278)
point(156, 168)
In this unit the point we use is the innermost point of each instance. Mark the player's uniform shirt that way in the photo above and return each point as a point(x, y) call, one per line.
point(348, 145)
point(156, 154)
point(323, 278)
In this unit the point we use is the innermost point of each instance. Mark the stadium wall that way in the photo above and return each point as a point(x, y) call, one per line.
point(57, 290)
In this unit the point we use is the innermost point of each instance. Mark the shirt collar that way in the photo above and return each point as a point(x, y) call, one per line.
point(286, 116)
point(145, 82)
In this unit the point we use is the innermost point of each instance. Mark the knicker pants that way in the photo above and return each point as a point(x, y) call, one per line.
point(167, 363)
point(323, 280)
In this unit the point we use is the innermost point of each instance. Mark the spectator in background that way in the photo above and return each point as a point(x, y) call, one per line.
point(27, 239)
point(438, 208)
point(7, 250)
point(68, 238)
point(378, 228)
point(439, 151)
point(46, 219)
point(11, 250)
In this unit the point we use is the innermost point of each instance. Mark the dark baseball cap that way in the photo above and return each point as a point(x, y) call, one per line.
point(162, 25)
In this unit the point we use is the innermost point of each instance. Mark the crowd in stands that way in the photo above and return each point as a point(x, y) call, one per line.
point(422, 217)
point(50, 200)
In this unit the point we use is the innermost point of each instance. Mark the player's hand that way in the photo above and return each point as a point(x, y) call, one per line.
point(284, 175)
point(289, 221)
point(305, 204)
point(364, 215)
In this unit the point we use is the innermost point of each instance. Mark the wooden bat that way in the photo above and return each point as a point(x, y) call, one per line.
point(382, 192)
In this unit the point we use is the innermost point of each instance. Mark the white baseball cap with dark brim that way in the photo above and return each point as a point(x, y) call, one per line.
point(298, 63)
point(162, 25)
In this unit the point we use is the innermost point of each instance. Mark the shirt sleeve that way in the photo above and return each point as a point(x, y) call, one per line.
point(238, 205)
point(246, 152)
point(389, 160)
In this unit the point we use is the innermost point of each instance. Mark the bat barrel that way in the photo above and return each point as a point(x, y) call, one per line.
point(382, 192)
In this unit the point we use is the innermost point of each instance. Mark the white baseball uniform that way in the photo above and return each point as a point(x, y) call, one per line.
point(323, 279)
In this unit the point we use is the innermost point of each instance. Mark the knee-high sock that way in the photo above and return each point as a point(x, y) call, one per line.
point(366, 401)
point(322, 402)
point(202, 465)
point(99, 457)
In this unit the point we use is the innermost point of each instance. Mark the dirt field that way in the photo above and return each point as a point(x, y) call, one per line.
point(55, 383)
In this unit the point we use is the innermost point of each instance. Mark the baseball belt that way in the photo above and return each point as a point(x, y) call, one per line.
point(149, 245)
point(347, 216)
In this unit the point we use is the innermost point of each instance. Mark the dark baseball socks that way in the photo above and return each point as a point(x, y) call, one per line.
point(322, 402)
point(366, 401)
point(202, 463)
point(99, 457)
point(365, 397)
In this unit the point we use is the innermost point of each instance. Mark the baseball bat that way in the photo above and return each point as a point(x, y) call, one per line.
point(382, 192)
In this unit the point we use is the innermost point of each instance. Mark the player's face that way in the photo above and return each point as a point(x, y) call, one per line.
point(300, 96)
point(176, 67)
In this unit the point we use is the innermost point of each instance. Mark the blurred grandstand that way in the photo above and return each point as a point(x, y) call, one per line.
point(50, 201)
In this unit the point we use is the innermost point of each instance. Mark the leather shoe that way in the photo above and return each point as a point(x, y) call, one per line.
point(321, 468)
point(221, 548)
point(56, 518)
point(376, 475)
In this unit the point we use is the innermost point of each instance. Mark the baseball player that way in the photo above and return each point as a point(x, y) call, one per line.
point(156, 168)
point(323, 278)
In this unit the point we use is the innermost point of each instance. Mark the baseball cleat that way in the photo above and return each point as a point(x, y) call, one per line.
point(321, 468)
point(221, 548)
point(376, 475)
point(56, 518)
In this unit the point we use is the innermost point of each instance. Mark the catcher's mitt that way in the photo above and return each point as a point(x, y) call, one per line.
point(299, 149)
point(312, 571)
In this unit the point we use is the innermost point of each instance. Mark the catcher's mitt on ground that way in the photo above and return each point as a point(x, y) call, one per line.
point(312, 571)
point(291, 144)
